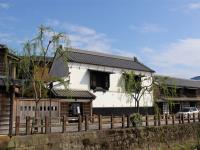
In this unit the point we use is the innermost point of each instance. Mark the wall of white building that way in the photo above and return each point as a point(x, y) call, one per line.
point(80, 80)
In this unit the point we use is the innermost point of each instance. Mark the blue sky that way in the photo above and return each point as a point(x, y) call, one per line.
point(163, 34)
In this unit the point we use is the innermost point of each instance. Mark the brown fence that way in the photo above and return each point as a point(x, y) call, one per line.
point(86, 123)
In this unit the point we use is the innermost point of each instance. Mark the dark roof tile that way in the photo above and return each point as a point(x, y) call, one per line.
point(179, 82)
point(95, 58)
point(102, 59)
point(75, 94)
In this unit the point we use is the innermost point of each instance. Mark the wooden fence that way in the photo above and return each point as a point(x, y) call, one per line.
point(86, 123)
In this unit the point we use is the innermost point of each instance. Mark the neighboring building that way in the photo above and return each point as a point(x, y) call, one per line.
point(98, 74)
point(8, 86)
point(187, 95)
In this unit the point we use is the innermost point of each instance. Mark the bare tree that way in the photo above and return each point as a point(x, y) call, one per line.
point(35, 62)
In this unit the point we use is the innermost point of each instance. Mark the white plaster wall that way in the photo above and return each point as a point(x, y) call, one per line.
point(80, 80)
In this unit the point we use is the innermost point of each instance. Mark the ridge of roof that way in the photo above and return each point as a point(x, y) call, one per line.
point(102, 54)
point(178, 78)
point(107, 55)
point(182, 82)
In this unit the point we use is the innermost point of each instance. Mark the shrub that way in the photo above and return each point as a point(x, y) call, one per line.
point(136, 119)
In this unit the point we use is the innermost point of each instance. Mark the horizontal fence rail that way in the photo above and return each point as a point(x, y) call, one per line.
point(97, 122)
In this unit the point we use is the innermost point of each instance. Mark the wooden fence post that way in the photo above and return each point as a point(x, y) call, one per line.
point(128, 121)
point(17, 124)
point(93, 118)
point(86, 123)
point(173, 119)
point(199, 116)
point(123, 121)
point(166, 119)
point(111, 122)
point(36, 124)
point(155, 120)
point(147, 120)
point(188, 117)
point(47, 128)
point(28, 125)
point(42, 123)
point(179, 119)
point(159, 120)
point(194, 117)
point(182, 118)
point(100, 122)
point(79, 123)
point(64, 119)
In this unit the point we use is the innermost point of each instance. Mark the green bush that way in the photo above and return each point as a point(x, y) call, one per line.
point(136, 119)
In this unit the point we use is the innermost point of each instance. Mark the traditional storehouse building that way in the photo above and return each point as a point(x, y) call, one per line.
point(98, 74)
point(187, 95)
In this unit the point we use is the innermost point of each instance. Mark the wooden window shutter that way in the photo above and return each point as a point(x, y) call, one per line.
point(107, 81)
point(92, 80)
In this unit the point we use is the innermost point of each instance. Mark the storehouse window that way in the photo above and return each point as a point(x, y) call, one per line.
point(99, 81)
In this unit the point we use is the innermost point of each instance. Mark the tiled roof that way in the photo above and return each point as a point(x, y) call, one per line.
point(179, 82)
point(59, 68)
point(196, 78)
point(179, 99)
point(102, 59)
point(74, 94)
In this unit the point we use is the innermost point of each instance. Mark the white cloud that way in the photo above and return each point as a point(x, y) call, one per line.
point(5, 37)
point(180, 58)
point(4, 5)
point(148, 27)
point(6, 22)
point(192, 6)
point(147, 50)
point(84, 37)
point(187, 8)
point(10, 39)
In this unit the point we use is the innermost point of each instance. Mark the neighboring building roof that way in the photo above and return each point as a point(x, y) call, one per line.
point(179, 99)
point(11, 55)
point(96, 58)
point(74, 94)
point(196, 78)
point(179, 82)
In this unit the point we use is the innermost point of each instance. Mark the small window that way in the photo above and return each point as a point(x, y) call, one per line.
point(33, 108)
point(52, 108)
point(55, 108)
point(99, 81)
point(25, 108)
point(44, 108)
point(29, 108)
point(48, 108)
point(40, 108)
point(21, 108)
